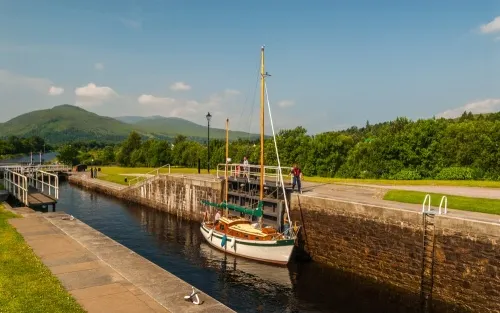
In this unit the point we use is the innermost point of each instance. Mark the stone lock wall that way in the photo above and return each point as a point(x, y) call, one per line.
point(174, 194)
point(379, 243)
point(177, 195)
point(386, 244)
point(467, 263)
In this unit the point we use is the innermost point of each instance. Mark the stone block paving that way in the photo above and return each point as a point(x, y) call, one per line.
point(101, 274)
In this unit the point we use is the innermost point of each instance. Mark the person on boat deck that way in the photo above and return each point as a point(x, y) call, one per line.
point(217, 217)
point(297, 176)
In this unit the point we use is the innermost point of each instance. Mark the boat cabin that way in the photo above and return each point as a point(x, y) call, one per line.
point(243, 228)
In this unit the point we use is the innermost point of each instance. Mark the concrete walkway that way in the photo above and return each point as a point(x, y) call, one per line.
point(92, 282)
point(373, 195)
point(473, 192)
point(97, 181)
point(101, 274)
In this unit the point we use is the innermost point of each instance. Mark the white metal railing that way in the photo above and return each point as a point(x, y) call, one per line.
point(55, 168)
point(148, 175)
point(33, 168)
point(445, 199)
point(17, 185)
point(427, 197)
point(46, 182)
point(271, 173)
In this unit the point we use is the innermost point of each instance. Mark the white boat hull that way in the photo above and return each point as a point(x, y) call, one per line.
point(272, 251)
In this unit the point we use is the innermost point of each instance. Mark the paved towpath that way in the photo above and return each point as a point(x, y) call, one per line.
point(101, 274)
point(372, 195)
point(474, 192)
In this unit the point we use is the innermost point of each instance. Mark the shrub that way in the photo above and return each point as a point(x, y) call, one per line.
point(407, 175)
point(456, 173)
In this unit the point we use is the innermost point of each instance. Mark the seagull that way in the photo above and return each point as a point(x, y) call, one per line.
point(193, 297)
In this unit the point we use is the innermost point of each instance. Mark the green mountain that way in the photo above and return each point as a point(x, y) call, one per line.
point(133, 119)
point(175, 125)
point(66, 123)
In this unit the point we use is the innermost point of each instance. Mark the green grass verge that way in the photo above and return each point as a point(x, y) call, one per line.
point(26, 284)
point(112, 174)
point(390, 182)
point(491, 206)
point(117, 174)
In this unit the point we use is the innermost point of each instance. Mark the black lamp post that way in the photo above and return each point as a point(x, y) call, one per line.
point(209, 117)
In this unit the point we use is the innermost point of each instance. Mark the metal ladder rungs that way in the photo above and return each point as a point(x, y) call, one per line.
point(428, 254)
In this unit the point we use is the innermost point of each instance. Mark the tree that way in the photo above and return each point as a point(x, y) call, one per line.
point(132, 143)
point(67, 154)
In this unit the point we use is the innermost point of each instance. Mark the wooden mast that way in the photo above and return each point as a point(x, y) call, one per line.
point(227, 160)
point(262, 95)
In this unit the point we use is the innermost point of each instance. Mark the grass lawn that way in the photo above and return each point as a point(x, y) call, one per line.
point(482, 205)
point(112, 174)
point(26, 284)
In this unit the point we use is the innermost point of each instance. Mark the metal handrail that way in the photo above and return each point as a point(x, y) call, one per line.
point(245, 170)
point(17, 184)
point(427, 196)
point(145, 176)
point(51, 184)
point(34, 168)
point(445, 204)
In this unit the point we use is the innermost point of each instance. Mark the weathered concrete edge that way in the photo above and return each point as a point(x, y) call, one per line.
point(450, 222)
point(210, 304)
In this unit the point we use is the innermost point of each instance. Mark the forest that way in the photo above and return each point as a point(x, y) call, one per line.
point(464, 148)
point(14, 145)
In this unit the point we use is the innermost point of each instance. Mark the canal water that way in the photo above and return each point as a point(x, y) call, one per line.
point(49, 156)
point(246, 286)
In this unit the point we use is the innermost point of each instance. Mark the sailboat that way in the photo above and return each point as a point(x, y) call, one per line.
point(241, 236)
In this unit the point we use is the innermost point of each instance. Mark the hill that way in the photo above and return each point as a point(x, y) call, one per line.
point(174, 125)
point(134, 119)
point(67, 123)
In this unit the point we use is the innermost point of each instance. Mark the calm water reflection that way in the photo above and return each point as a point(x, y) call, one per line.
point(49, 156)
point(245, 286)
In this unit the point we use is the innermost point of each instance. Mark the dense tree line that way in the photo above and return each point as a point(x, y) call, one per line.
point(462, 148)
point(15, 146)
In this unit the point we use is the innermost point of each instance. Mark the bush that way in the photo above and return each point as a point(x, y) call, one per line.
point(456, 173)
point(407, 175)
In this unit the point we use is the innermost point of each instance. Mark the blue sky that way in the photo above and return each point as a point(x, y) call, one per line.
point(333, 63)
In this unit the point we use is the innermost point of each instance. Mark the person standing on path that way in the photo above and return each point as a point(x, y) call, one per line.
point(297, 176)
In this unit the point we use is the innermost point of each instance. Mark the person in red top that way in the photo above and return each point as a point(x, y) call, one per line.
point(297, 176)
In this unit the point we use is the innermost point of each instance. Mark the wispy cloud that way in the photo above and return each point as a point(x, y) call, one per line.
point(491, 27)
point(99, 66)
point(285, 103)
point(150, 99)
point(11, 80)
point(55, 91)
point(91, 95)
point(476, 107)
point(180, 86)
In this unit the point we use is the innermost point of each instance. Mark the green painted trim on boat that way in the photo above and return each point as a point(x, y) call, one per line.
point(285, 242)
point(223, 205)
